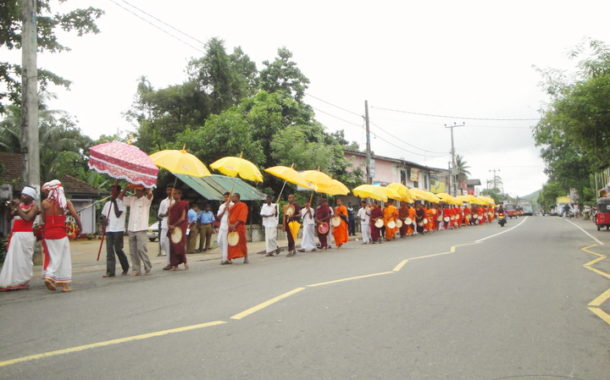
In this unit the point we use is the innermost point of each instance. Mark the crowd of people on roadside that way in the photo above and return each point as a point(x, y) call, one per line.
point(183, 224)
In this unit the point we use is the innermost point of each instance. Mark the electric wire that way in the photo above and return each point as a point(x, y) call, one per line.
point(452, 116)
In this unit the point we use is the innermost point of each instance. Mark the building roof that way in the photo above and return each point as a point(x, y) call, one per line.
point(76, 187)
point(396, 160)
point(12, 172)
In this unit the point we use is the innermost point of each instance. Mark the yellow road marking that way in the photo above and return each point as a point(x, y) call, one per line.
point(401, 264)
point(600, 299)
point(263, 305)
point(109, 342)
point(600, 313)
point(349, 279)
point(600, 257)
point(432, 255)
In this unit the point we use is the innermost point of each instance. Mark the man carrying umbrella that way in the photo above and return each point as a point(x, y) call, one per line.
point(238, 216)
point(292, 214)
point(323, 215)
point(114, 223)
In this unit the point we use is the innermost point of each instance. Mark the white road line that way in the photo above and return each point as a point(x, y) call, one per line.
point(585, 232)
point(500, 233)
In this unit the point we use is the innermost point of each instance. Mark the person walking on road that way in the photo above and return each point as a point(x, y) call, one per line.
point(269, 213)
point(113, 214)
point(139, 207)
point(223, 216)
point(206, 219)
point(193, 218)
point(163, 209)
point(308, 242)
point(364, 216)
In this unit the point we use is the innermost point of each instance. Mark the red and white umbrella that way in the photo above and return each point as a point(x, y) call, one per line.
point(124, 161)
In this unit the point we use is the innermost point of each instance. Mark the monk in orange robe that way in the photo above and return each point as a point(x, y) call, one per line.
point(340, 232)
point(238, 216)
point(410, 227)
point(431, 215)
point(390, 213)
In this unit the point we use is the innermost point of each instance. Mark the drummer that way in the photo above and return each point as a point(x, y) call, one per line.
point(403, 213)
point(292, 213)
point(323, 215)
point(376, 222)
point(390, 214)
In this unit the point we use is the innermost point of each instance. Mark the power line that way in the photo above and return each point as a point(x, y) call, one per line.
point(164, 23)
point(406, 143)
point(334, 105)
point(451, 116)
point(338, 118)
point(157, 27)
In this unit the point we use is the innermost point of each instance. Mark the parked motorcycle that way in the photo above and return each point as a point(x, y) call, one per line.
point(501, 219)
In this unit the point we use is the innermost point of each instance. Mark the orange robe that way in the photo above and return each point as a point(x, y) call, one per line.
point(239, 212)
point(340, 232)
point(431, 215)
point(410, 227)
point(390, 213)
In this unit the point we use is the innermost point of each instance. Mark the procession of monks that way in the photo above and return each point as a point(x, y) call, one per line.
point(410, 219)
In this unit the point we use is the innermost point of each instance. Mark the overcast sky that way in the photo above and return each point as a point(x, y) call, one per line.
point(468, 60)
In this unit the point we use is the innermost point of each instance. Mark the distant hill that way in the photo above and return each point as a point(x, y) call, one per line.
point(533, 197)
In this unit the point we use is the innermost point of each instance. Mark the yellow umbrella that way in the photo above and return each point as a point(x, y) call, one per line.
point(317, 178)
point(370, 191)
point(180, 162)
point(333, 188)
point(236, 166)
point(288, 174)
point(423, 195)
point(447, 198)
point(403, 191)
point(391, 193)
point(467, 198)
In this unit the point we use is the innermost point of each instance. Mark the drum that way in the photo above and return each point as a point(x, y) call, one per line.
point(439, 219)
point(452, 217)
point(425, 221)
point(446, 219)
point(391, 224)
point(176, 235)
point(421, 224)
point(490, 214)
point(379, 223)
point(233, 238)
point(335, 221)
point(408, 221)
point(289, 211)
point(475, 216)
point(323, 228)
point(398, 223)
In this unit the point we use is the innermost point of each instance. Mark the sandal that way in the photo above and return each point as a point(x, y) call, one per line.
point(49, 283)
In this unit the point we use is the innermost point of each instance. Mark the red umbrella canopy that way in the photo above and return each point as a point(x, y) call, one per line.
point(123, 161)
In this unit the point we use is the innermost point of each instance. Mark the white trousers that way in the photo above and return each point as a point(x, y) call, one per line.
point(17, 268)
point(366, 232)
point(308, 241)
point(164, 242)
point(59, 268)
point(270, 239)
point(223, 243)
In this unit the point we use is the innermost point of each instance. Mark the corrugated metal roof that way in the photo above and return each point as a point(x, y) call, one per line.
point(212, 187)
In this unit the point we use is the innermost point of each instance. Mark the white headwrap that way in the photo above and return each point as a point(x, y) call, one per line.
point(29, 191)
point(56, 192)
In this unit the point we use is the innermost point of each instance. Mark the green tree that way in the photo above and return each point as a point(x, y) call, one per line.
point(49, 23)
point(283, 75)
point(462, 168)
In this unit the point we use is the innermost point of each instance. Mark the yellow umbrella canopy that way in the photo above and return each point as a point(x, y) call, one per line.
point(403, 191)
point(333, 188)
point(180, 162)
point(467, 198)
point(391, 193)
point(423, 195)
point(370, 191)
point(487, 200)
point(444, 197)
point(237, 166)
point(290, 175)
point(317, 178)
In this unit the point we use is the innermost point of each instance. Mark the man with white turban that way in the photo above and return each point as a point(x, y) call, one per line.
point(57, 264)
point(17, 269)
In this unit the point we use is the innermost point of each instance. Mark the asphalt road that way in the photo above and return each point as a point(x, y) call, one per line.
point(446, 306)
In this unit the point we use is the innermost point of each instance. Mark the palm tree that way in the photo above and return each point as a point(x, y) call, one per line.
point(461, 168)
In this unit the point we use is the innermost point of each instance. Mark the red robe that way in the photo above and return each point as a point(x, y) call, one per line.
point(177, 251)
point(239, 213)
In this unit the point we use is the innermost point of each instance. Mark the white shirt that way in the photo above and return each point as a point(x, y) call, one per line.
point(224, 222)
point(163, 209)
point(271, 209)
point(139, 209)
point(114, 224)
point(363, 215)
point(309, 219)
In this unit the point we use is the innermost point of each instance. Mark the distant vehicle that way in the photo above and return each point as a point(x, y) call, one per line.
point(527, 209)
point(602, 217)
point(153, 231)
point(511, 210)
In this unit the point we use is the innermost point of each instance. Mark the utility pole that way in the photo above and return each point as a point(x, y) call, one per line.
point(29, 102)
point(453, 173)
point(494, 177)
point(369, 174)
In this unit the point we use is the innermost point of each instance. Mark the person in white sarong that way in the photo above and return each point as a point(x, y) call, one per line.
point(364, 215)
point(17, 270)
point(58, 262)
point(223, 230)
point(308, 242)
point(269, 213)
